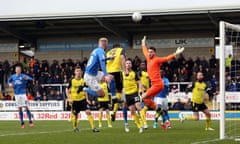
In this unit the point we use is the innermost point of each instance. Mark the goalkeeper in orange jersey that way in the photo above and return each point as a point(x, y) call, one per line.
point(153, 68)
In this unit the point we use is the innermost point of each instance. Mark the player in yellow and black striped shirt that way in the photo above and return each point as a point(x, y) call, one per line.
point(199, 89)
point(78, 99)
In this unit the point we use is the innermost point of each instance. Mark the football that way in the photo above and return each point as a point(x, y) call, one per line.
point(136, 16)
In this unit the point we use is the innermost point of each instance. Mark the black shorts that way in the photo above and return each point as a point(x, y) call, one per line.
point(132, 99)
point(104, 105)
point(78, 106)
point(118, 79)
point(198, 107)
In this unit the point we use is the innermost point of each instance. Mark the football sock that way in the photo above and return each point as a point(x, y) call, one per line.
point(143, 116)
point(74, 121)
point(124, 110)
point(208, 119)
point(108, 119)
point(21, 117)
point(112, 87)
point(91, 121)
point(29, 115)
point(136, 120)
point(100, 118)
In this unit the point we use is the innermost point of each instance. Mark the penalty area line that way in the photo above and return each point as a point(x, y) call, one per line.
point(206, 141)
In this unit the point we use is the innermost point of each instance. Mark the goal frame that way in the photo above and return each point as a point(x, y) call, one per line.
point(222, 27)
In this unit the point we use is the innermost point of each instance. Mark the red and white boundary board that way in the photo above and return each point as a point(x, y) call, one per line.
point(150, 115)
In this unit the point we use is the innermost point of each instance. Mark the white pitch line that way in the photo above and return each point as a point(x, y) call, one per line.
point(206, 141)
point(46, 132)
point(42, 132)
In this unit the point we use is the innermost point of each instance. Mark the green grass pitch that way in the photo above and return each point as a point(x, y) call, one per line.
point(60, 132)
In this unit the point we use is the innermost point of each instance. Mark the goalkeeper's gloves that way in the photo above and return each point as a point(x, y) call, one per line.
point(144, 40)
point(179, 50)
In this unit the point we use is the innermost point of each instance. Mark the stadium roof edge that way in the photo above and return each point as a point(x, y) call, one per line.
point(146, 13)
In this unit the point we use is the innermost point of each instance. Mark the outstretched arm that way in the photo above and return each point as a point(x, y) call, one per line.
point(167, 58)
point(144, 47)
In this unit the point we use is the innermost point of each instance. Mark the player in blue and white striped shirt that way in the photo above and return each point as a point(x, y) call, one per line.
point(18, 82)
point(92, 75)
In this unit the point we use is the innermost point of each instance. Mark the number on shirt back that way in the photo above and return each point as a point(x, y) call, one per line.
point(90, 60)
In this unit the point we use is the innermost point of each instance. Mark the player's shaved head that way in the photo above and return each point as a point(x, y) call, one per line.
point(103, 42)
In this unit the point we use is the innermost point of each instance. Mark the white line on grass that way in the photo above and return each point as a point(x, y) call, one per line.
point(42, 132)
point(206, 141)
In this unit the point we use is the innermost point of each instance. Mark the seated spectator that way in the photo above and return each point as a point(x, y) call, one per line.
point(44, 97)
point(174, 89)
point(178, 105)
point(30, 96)
point(51, 95)
point(7, 96)
point(59, 95)
point(38, 96)
point(188, 105)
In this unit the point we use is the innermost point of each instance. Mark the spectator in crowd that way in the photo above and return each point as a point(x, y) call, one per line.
point(45, 97)
point(1, 77)
point(24, 63)
point(136, 63)
point(38, 96)
point(188, 105)
point(233, 87)
point(178, 105)
point(214, 83)
point(30, 96)
point(228, 83)
point(59, 95)
point(213, 64)
point(6, 68)
point(204, 62)
point(7, 96)
point(65, 79)
point(228, 62)
point(51, 95)
point(32, 62)
point(57, 79)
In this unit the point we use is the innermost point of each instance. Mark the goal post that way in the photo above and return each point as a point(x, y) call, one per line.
point(222, 79)
point(229, 35)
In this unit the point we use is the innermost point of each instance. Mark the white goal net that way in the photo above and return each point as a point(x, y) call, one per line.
point(229, 54)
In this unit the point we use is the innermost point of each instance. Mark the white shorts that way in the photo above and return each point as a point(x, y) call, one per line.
point(161, 101)
point(93, 82)
point(21, 100)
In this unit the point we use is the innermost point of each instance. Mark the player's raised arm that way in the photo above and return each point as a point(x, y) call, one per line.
point(144, 47)
point(171, 56)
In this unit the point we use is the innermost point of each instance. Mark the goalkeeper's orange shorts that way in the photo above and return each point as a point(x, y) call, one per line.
point(153, 91)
